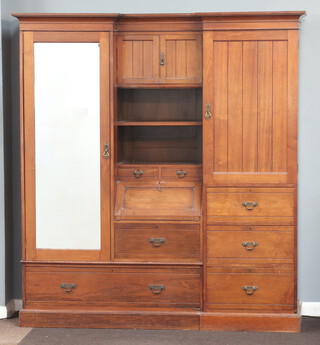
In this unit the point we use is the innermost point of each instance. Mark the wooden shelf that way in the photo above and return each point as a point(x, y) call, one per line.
point(162, 164)
point(160, 86)
point(158, 123)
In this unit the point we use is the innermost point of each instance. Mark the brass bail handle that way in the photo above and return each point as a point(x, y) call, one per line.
point(249, 290)
point(68, 287)
point(249, 246)
point(208, 114)
point(156, 289)
point(156, 242)
point(138, 173)
point(181, 173)
point(106, 151)
point(250, 205)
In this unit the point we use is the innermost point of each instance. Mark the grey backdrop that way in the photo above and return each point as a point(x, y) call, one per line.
point(309, 117)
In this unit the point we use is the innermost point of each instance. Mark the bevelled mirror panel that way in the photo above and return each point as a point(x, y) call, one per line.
point(67, 145)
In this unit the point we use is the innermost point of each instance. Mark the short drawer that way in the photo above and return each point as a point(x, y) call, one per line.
point(242, 244)
point(137, 173)
point(157, 242)
point(258, 290)
point(112, 286)
point(181, 173)
point(261, 206)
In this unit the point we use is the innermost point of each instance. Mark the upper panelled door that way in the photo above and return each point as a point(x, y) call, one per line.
point(180, 58)
point(65, 126)
point(138, 59)
point(250, 106)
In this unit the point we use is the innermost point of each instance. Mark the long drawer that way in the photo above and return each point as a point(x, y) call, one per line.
point(74, 286)
point(260, 206)
point(250, 289)
point(253, 245)
point(157, 242)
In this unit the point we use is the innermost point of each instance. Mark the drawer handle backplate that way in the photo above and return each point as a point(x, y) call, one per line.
point(156, 242)
point(68, 287)
point(182, 173)
point(249, 290)
point(250, 245)
point(138, 173)
point(250, 205)
point(156, 289)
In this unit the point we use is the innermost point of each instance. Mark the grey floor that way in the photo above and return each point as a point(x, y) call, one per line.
point(11, 334)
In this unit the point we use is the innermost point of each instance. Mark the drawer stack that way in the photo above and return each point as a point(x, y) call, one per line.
point(250, 249)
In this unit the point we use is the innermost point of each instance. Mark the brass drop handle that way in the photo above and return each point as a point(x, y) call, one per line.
point(162, 59)
point(68, 287)
point(138, 173)
point(156, 242)
point(250, 205)
point(208, 114)
point(249, 290)
point(106, 153)
point(250, 245)
point(182, 173)
point(156, 289)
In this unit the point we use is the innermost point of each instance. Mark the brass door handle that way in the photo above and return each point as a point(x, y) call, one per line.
point(138, 173)
point(156, 289)
point(208, 114)
point(182, 173)
point(250, 205)
point(162, 59)
point(249, 290)
point(250, 245)
point(106, 153)
point(68, 287)
point(156, 242)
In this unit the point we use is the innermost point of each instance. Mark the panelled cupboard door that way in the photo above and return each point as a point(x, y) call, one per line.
point(65, 126)
point(159, 59)
point(250, 106)
point(181, 58)
point(138, 59)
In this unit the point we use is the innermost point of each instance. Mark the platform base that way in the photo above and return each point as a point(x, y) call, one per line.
point(190, 320)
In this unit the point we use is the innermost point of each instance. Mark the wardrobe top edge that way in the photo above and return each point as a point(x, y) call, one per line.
point(120, 16)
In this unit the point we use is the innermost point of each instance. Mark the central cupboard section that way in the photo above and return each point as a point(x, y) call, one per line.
point(158, 158)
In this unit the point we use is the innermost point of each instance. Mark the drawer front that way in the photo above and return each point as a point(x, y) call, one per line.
point(140, 173)
point(136, 287)
point(157, 242)
point(262, 243)
point(249, 291)
point(184, 173)
point(251, 206)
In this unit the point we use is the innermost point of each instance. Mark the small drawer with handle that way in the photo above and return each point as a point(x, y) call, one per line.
point(260, 206)
point(137, 173)
point(255, 289)
point(157, 242)
point(242, 244)
point(181, 173)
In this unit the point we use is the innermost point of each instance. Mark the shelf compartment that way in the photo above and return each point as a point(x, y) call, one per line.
point(162, 105)
point(161, 144)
